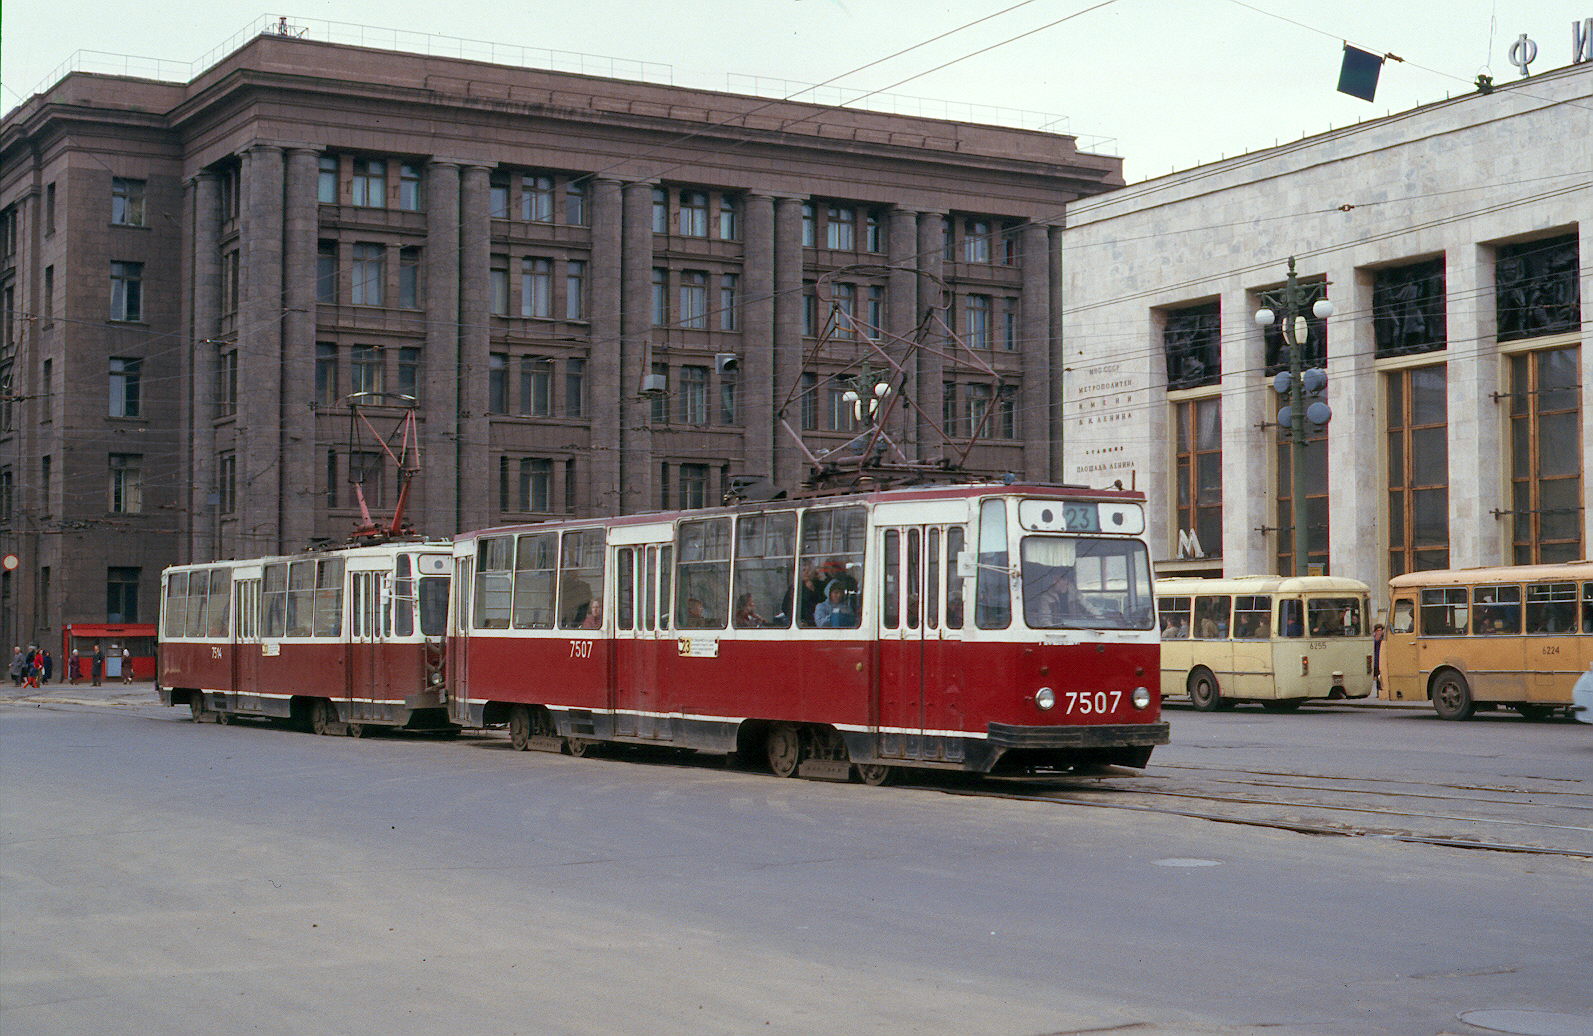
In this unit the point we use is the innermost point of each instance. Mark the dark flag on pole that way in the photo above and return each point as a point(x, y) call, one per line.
point(1358, 75)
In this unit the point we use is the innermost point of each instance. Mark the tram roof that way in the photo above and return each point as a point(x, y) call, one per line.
point(394, 546)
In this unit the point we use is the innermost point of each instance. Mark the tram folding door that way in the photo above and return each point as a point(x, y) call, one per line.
point(369, 624)
point(641, 635)
point(246, 651)
point(917, 696)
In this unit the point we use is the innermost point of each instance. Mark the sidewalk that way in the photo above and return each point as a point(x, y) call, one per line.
point(112, 692)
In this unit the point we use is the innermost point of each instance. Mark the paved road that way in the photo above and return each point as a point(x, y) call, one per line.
point(157, 875)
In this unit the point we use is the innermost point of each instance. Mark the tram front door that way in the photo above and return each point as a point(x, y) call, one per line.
point(917, 706)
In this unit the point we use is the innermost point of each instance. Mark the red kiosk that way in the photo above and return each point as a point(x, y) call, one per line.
point(111, 637)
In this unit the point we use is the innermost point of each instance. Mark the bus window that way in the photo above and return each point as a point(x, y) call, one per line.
point(535, 571)
point(494, 581)
point(1211, 617)
point(954, 547)
point(702, 598)
point(433, 605)
point(581, 580)
point(1551, 608)
point(1444, 613)
point(1404, 620)
point(1498, 610)
point(1291, 618)
point(1334, 617)
point(993, 596)
point(1587, 607)
point(831, 556)
point(765, 552)
point(1174, 613)
point(625, 587)
point(1252, 617)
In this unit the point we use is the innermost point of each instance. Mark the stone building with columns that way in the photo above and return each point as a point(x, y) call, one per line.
point(1454, 242)
point(198, 277)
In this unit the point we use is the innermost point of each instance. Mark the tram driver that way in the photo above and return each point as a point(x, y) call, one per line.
point(1055, 600)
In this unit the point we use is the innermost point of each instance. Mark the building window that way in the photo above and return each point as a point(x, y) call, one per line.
point(845, 308)
point(575, 203)
point(949, 417)
point(1315, 516)
point(976, 241)
point(1198, 463)
point(1192, 342)
point(8, 490)
point(365, 472)
point(536, 287)
point(694, 395)
point(660, 296)
point(728, 285)
point(1009, 243)
point(121, 594)
point(574, 387)
point(660, 211)
point(1418, 469)
point(1009, 325)
point(127, 202)
point(331, 479)
point(498, 383)
point(326, 180)
point(978, 321)
point(979, 410)
point(409, 372)
point(365, 369)
point(370, 182)
point(125, 377)
point(409, 187)
point(44, 482)
point(837, 411)
point(840, 228)
point(727, 400)
point(1546, 455)
point(49, 208)
point(1313, 351)
point(808, 401)
point(498, 197)
point(1408, 308)
point(1007, 412)
point(693, 214)
point(876, 311)
point(693, 486)
point(49, 294)
point(229, 282)
point(536, 386)
point(370, 273)
point(326, 379)
point(536, 198)
point(1537, 288)
point(227, 383)
point(127, 483)
point(874, 231)
point(227, 482)
point(127, 291)
point(325, 272)
point(729, 219)
point(409, 278)
point(810, 312)
point(535, 485)
point(498, 285)
point(575, 290)
point(661, 400)
point(810, 234)
point(694, 299)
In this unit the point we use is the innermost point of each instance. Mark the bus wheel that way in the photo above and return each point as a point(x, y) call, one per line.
point(1452, 697)
point(1536, 713)
point(1203, 692)
point(875, 775)
point(783, 747)
point(322, 716)
point(1283, 705)
point(520, 727)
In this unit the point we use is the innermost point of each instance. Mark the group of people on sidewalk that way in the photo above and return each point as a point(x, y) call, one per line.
point(34, 667)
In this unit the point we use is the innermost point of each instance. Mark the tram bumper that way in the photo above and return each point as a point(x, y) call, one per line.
point(1010, 747)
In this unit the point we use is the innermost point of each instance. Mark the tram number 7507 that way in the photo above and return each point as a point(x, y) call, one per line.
point(1087, 703)
point(580, 649)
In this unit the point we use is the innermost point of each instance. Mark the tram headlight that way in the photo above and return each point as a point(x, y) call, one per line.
point(1045, 697)
point(1142, 697)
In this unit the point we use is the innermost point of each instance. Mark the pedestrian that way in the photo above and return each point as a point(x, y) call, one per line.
point(1378, 633)
point(97, 665)
point(35, 667)
point(73, 671)
point(17, 664)
point(127, 664)
point(49, 666)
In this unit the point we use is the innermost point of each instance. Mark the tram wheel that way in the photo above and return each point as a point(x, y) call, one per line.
point(580, 747)
point(1203, 691)
point(520, 728)
point(783, 747)
point(875, 775)
point(357, 729)
point(1283, 705)
point(1452, 697)
point(322, 716)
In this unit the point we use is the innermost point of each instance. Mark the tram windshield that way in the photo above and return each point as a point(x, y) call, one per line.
point(433, 605)
point(1086, 583)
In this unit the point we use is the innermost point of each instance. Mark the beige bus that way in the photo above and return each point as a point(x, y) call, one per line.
point(1274, 640)
point(1474, 638)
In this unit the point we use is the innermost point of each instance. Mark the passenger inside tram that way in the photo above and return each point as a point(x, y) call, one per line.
point(835, 611)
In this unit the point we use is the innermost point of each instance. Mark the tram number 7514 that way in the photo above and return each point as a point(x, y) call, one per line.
point(1086, 703)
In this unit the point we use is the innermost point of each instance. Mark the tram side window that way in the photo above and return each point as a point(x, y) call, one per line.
point(1498, 610)
point(1334, 616)
point(274, 591)
point(1551, 608)
point(831, 563)
point(932, 579)
point(1211, 617)
point(194, 613)
point(301, 598)
point(1252, 617)
point(1174, 613)
point(404, 598)
point(993, 588)
point(494, 581)
point(625, 588)
point(216, 607)
point(329, 597)
point(1444, 613)
point(535, 571)
point(955, 537)
point(1404, 619)
point(703, 593)
point(765, 553)
point(175, 620)
point(581, 580)
point(891, 611)
point(666, 571)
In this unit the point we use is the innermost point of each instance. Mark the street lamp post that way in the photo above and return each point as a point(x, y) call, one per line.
point(1293, 299)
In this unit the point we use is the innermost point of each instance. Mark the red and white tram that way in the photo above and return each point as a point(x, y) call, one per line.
point(986, 628)
point(335, 640)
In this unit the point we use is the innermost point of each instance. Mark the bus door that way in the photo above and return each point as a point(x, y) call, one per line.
point(1396, 659)
point(246, 638)
point(369, 626)
point(641, 625)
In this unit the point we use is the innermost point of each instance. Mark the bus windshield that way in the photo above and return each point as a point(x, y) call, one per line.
point(1086, 583)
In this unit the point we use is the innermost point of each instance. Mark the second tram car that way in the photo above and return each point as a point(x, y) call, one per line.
point(985, 628)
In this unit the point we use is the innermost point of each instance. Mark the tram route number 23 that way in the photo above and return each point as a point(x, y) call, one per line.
point(1087, 703)
point(580, 649)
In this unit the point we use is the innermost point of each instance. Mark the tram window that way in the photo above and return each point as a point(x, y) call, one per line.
point(1404, 620)
point(704, 591)
point(650, 589)
point(174, 623)
point(765, 552)
point(274, 590)
point(403, 610)
point(581, 580)
point(831, 557)
point(534, 577)
point(301, 598)
point(194, 614)
point(625, 588)
point(433, 605)
point(1174, 612)
point(1444, 613)
point(1211, 617)
point(914, 563)
point(932, 578)
point(955, 536)
point(1551, 608)
point(329, 597)
point(993, 593)
point(217, 606)
point(1498, 610)
point(892, 590)
point(666, 571)
point(493, 582)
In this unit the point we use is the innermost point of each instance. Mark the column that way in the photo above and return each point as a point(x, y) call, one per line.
point(259, 424)
point(301, 223)
point(1585, 357)
point(437, 510)
point(200, 424)
point(603, 366)
point(1034, 327)
point(474, 445)
point(910, 427)
point(790, 466)
point(1054, 424)
point(1357, 479)
point(1249, 438)
point(1477, 472)
point(931, 263)
point(636, 348)
point(762, 395)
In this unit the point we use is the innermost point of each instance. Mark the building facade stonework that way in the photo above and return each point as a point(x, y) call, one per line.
point(199, 277)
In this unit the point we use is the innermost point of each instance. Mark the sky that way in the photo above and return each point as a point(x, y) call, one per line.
point(1165, 85)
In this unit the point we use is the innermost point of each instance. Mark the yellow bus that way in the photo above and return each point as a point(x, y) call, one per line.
point(1475, 638)
point(1274, 640)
